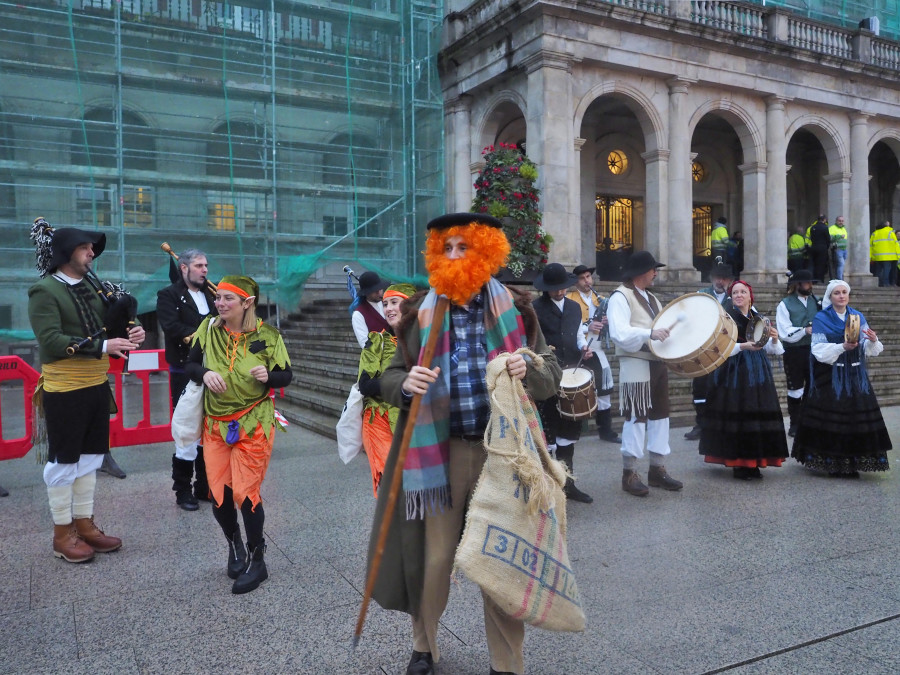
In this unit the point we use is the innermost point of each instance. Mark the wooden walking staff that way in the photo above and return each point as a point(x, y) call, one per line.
point(436, 321)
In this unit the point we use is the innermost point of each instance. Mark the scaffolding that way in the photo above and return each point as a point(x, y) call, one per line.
point(278, 136)
point(846, 13)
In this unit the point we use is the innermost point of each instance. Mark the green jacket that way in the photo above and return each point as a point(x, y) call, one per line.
point(55, 321)
point(401, 573)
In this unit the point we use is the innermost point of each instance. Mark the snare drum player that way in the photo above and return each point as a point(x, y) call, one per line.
point(560, 320)
point(74, 393)
point(742, 427)
point(446, 455)
point(794, 318)
point(593, 318)
point(643, 379)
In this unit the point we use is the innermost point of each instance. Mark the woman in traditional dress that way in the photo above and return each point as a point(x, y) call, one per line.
point(239, 359)
point(744, 428)
point(379, 417)
point(841, 429)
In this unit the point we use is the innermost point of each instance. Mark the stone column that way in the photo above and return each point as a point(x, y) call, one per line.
point(656, 197)
point(858, 219)
point(550, 145)
point(772, 248)
point(674, 233)
point(754, 227)
point(587, 228)
point(460, 189)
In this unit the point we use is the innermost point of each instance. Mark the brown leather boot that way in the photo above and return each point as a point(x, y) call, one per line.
point(69, 546)
point(632, 484)
point(94, 536)
point(659, 477)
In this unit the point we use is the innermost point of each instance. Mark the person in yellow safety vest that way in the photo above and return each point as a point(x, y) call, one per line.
point(798, 250)
point(838, 246)
point(719, 240)
point(883, 251)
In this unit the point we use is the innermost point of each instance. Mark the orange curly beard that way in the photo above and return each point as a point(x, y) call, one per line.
point(462, 278)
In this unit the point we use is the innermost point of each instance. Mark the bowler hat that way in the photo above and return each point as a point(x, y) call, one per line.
point(581, 269)
point(67, 239)
point(451, 219)
point(553, 278)
point(639, 263)
point(369, 282)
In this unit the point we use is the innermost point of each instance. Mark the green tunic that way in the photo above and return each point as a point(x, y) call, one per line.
point(374, 359)
point(232, 358)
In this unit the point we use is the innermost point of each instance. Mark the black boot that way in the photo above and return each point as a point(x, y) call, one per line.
point(109, 466)
point(182, 470)
point(237, 554)
point(201, 485)
point(255, 573)
point(565, 454)
point(794, 405)
point(604, 427)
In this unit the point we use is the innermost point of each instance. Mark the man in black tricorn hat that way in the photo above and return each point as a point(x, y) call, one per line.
point(643, 379)
point(368, 316)
point(560, 320)
point(793, 319)
point(67, 317)
point(720, 276)
point(446, 455)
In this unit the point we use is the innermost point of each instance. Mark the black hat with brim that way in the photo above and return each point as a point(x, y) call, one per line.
point(722, 271)
point(369, 282)
point(581, 269)
point(639, 263)
point(553, 278)
point(463, 219)
point(67, 239)
point(801, 275)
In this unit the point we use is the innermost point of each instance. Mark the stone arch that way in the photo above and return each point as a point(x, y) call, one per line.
point(501, 109)
point(649, 118)
point(833, 143)
point(138, 139)
point(741, 120)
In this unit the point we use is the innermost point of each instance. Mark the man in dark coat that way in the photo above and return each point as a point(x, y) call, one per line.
point(180, 308)
point(560, 320)
point(819, 243)
point(446, 455)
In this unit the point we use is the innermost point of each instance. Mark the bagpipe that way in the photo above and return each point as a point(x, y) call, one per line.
point(120, 313)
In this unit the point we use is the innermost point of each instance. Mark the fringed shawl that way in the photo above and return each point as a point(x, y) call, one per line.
point(425, 474)
point(848, 372)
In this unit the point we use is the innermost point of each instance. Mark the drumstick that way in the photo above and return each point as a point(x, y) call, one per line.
point(582, 354)
point(681, 316)
point(397, 477)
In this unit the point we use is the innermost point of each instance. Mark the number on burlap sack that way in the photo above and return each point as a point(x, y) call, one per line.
point(514, 542)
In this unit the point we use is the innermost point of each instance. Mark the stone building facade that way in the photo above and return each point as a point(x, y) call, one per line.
point(649, 120)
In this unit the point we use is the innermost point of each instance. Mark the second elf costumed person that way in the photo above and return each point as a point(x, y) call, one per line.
point(446, 455)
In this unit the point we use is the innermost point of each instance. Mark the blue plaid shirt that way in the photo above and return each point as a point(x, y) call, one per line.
point(469, 403)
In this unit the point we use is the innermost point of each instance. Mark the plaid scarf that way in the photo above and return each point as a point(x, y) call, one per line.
point(425, 474)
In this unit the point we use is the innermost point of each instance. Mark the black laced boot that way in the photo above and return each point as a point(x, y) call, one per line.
point(237, 554)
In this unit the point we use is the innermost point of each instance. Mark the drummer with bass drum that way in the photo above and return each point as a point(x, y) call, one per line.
point(595, 326)
point(560, 320)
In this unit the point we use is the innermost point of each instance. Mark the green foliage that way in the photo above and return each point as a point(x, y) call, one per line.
point(505, 190)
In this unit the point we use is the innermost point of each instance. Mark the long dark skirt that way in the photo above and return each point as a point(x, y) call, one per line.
point(742, 424)
point(841, 435)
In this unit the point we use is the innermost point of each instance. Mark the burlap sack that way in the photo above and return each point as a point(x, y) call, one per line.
point(514, 543)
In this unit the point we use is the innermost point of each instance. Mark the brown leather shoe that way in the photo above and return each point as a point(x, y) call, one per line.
point(659, 477)
point(632, 484)
point(69, 546)
point(94, 536)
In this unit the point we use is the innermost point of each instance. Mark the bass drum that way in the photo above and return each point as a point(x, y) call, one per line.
point(702, 335)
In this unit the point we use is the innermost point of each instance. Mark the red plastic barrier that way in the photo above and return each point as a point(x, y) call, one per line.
point(141, 363)
point(14, 368)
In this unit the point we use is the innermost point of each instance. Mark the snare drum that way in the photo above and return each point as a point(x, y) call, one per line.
point(577, 397)
point(851, 328)
point(701, 335)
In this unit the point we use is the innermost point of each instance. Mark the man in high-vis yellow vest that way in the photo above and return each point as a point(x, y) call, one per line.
point(838, 246)
point(719, 241)
point(798, 250)
point(883, 251)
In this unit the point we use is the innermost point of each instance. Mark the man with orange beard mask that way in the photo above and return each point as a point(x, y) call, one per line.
point(446, 455)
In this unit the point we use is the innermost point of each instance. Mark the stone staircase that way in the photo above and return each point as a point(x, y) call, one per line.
point(325, 354)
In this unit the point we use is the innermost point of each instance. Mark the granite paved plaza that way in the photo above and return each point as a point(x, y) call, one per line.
point(797, 573)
